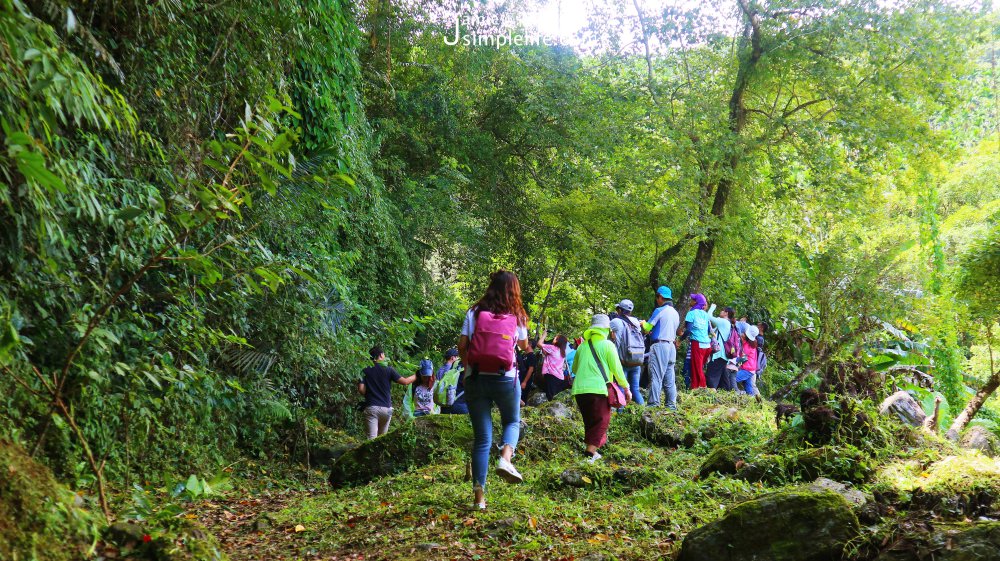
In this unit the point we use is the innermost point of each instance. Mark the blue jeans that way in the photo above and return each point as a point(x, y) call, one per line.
point(749, 380)
point(632, 374)
point(481, 393)
point(662, 357)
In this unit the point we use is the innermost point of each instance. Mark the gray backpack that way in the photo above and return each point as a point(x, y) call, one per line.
point(633, 348)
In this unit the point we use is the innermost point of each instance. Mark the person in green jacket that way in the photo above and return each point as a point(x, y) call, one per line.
point(590, 386)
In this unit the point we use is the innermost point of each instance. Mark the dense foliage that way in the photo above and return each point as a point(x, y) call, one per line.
point(211, 210)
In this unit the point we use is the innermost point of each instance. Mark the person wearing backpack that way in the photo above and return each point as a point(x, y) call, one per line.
point(696, 324)
point(449, 391)
point(553, 365)
point(748, 362)
point(628, 337)
point(493, 327)
point(662, 331)
point(376, 385)
point(450, 360)
point(598, 370)
point(722, 330)
point(761, 355)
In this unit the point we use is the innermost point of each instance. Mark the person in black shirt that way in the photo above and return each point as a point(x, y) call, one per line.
point(376, 386)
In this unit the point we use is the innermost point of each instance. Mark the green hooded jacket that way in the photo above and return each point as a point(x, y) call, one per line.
point(588, 375)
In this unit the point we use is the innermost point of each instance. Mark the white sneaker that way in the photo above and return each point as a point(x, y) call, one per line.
point(594, 458)
point(508, 472)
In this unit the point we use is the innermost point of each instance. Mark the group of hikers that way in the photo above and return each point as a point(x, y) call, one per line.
point(495, 364)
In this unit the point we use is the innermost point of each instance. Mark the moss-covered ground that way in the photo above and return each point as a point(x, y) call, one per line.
point(663, 474)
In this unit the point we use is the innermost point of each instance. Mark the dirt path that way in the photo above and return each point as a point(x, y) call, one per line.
point(246, 531)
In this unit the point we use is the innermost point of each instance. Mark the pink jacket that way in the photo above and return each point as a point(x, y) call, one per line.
point(751, 354)
point(553, 365)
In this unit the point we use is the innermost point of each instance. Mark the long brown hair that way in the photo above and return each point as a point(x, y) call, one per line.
point(503, 296)
point(560, 341)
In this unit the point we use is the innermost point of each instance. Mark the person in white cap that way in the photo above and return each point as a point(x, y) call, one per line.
point(595, 366)
point(748, 367)
point(627, 334)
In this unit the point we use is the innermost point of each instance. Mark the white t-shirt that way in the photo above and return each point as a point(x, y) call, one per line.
point(469, 326)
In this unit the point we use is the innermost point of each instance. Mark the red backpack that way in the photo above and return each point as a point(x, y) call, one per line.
point(491, 347)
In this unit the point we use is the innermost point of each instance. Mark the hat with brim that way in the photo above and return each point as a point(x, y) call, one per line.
point(626, 306)
point(751, 332)
point(664, 292)
point(600, 321)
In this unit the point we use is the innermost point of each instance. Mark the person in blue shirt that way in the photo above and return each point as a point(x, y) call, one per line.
point(662, 331)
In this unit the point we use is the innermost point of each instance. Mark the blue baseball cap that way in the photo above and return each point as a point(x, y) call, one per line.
point(665, 292)
point(426, 367)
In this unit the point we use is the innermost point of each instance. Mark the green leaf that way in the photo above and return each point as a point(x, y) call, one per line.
point(128, 213)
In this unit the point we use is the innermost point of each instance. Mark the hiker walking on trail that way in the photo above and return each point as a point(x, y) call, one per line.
point(423, 390)
point(631, 343)
point(450, 358)
point(376, 386)
point(553, 365)
point(492, 329)
point(696, 324)
point(662, 330)
point(597, 370)
point(716, 374)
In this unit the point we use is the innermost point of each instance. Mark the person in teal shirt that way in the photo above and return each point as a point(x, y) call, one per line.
point(696, 329)
point(716, 374)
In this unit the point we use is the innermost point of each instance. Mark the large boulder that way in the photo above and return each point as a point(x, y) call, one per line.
point(980, 438)
point(411, 442)
point(836, 462)
point(952, 542)
point(559, 410)
point(903, 407)
point(668, 428)
point(725, 460)
point(39, 518)
point(797, 525)
point(853, 496)
point(536, 399)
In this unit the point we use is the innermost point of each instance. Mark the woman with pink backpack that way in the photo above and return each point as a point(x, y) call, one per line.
point(493, 327)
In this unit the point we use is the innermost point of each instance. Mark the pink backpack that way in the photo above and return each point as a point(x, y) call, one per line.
point(491, 348)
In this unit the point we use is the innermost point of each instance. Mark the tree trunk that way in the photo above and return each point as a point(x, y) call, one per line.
point(737, 121)
point(662, 259)
point(973, 407)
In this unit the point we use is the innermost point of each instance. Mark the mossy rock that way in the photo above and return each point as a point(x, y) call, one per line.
point(795, 525)
point(722, 460)
point(410, 443)
point(181, 540)
point(39, 518)
point(187, 541)
point(952, 542)
point(835, 462)
point(669, 428)
point(959, 486)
